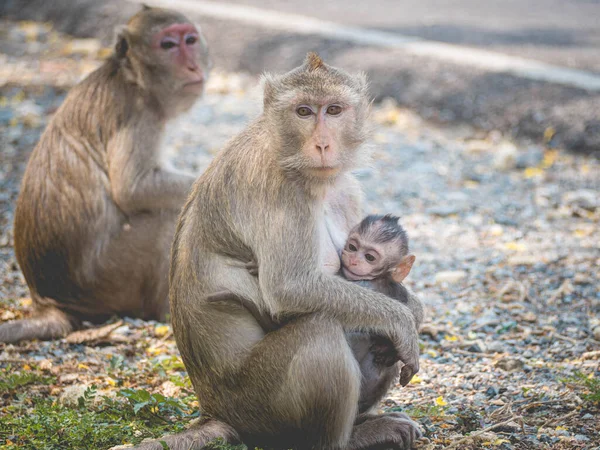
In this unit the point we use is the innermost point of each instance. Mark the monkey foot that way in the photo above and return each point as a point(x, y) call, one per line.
point(390, 431)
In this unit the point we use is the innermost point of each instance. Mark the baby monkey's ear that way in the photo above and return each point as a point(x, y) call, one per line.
point(401, 271)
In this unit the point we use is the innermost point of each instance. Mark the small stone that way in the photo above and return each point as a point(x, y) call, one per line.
point(510, 364)
point(583, 198)
point(443, 211)
point(529, 316)
point(530, 158)
point(491, 392)
point(588, 416)
point(596, 333)
point(8, 315)
point(68, 378)
point(581, 438)
point(70, 396)
point(450, 276)
point(505, 156)
point(495, 347)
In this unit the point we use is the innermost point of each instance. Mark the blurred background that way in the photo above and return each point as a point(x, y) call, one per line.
point(487, 145)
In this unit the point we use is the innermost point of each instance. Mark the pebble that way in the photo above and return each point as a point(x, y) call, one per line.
point(450, 277)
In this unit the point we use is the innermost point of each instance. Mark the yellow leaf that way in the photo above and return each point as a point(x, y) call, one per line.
point(440, 401)
point(432, 353)
point(82, 366)
point(549, 158)
point(153, 351)
point(549, 134)
point(26, 301)
point(516, 246)
point(416, 380)
point(581, 233)
point(451, 338)
point(111, 381)
point(560, 428)
point(500, 441)
point(27, 367)
point(161, 330)
point(532, 172)
point(471, 184)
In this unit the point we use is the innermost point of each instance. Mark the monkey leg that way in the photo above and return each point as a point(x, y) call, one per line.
point(376, 378)
point(298, 388)
point(194, 438)
point(48, 323)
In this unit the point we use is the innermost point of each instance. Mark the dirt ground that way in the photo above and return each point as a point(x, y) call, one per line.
point(507, 243)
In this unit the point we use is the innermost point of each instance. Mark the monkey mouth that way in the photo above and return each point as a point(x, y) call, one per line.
point(325, 171)
point(349, 275)
point(194, 85)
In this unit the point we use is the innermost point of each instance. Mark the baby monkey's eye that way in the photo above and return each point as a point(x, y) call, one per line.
point(352, 248)
point(167, 44)
point(190, 40)
point(370, 257)
point(303, 111)
point(334, 110)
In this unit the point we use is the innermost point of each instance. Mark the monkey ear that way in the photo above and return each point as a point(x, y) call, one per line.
point(269, 83)
point(403, 268)
point(145, 7)
point(122, 45)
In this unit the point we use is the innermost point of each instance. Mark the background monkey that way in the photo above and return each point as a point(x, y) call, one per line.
point(284, 187)
point(96, 213)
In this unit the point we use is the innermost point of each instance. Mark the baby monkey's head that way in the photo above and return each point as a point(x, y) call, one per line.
point(377, 247)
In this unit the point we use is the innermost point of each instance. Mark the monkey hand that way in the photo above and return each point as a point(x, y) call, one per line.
point(405, 341)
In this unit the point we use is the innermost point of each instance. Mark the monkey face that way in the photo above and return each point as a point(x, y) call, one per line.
point(180, 49)
point(167, 55)
point(319, 113)
point(361, 260)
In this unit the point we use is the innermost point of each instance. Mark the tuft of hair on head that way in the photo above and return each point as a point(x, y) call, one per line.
point(384, 228)
point(145, 7)
point(313, 62)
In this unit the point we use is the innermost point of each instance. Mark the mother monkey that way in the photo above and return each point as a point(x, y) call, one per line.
point(96, 213)
point(281, 194)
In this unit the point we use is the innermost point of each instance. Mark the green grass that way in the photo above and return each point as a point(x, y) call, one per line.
point(31, 422)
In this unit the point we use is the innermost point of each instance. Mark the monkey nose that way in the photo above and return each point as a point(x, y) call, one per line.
point(322, 148)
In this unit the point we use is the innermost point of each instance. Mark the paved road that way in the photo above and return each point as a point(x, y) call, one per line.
point(559, 32)
point(562, 32)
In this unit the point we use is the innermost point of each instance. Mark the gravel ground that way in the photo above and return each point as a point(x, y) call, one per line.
point(506, 238)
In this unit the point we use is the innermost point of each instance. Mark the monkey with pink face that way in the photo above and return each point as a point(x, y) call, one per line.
point(96, 214)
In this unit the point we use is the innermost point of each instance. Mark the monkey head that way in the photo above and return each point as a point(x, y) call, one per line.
point(377, 247)
point(163, 52)
point(318, 113)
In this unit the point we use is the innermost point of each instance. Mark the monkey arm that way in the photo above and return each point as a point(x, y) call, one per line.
point(137, 179)
point(296, 285)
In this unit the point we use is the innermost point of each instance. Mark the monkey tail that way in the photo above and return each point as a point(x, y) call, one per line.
point(49, 323)
point(195, 438)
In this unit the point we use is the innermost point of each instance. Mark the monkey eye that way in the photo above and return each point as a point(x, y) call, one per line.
point(369, 257)
point(303, 111)
point(191, 40)
point(334, 110)
point(352, 248)
point(167, 44)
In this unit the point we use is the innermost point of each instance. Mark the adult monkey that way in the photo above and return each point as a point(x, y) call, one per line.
point(96, 213)
point(281, 194)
